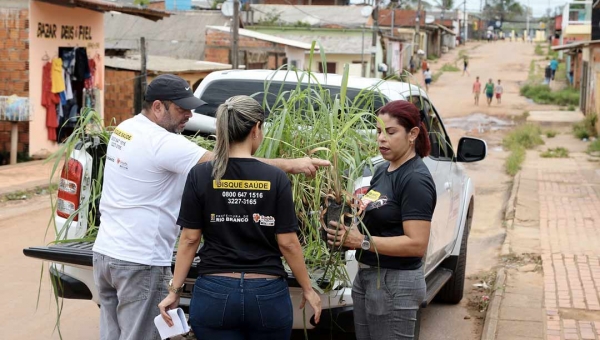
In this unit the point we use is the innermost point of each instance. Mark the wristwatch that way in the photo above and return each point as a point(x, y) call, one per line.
point(173, 289)
point(366, 243)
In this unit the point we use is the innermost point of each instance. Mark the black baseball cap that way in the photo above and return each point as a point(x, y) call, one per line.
point(173, 88)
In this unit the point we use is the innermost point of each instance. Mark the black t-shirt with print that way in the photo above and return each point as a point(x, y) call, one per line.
point(239, 217)
point(407, 193)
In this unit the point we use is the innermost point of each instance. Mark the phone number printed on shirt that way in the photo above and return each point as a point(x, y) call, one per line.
point(234, 201)
point(242, 194)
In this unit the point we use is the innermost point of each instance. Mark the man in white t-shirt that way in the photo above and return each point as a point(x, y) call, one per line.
point(147, 163)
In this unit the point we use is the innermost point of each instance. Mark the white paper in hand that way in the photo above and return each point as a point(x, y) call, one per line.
point(179, 327)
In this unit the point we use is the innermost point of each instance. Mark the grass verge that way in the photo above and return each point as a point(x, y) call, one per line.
point(558, 152)
point(586, 128)
point(594, 147)
point(542, 94)
point(524, 137)
point(449, 68)
point(551, 133)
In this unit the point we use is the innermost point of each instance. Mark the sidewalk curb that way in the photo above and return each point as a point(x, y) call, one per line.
point(492, 315)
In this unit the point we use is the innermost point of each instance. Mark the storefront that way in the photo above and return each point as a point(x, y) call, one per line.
point(66, 65)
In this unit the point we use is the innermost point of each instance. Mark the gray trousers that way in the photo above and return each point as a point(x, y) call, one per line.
point(387, 312)
point(129, 297)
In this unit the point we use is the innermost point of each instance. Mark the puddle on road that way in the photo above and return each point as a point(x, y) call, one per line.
point(478, 122)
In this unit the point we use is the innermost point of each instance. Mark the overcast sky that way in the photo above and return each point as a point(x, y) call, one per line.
point(539, 6)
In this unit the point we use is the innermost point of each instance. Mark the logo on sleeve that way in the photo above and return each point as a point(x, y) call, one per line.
point(268, 221)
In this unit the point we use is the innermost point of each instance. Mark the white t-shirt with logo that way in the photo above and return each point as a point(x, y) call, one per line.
point(145, 171)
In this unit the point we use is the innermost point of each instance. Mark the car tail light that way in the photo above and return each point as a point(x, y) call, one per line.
point(69, 189)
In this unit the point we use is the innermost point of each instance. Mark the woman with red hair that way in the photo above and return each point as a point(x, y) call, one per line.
point(390, 283)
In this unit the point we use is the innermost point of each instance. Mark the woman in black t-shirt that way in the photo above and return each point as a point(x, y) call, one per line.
point(243, 209)
point(390, 284)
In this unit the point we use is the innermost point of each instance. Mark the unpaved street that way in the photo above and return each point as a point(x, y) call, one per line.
point(23, 224)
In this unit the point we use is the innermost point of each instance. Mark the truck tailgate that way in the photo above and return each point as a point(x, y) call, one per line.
point(80, 253)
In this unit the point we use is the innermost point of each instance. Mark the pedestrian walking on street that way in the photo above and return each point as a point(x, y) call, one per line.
point(144, 175)
point(411, 64)
point(241, 291)
point(390, 286)
point(424, 65)
point(465, 65)
point(428, 77)
point(499, 90)
point(554, 67)
point(489, 91)
point(476, 90)
point(548, 74)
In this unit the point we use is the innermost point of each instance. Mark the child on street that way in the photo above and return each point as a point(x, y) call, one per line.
point(489, 91)
point(427, 75)
point(476, 90)
point(499, 91)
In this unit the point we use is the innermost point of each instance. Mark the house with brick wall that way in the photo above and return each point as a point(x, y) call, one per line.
point(256, 50)
point(123, 96)
point(31, 34)
point(14, 70)
point(344, 32)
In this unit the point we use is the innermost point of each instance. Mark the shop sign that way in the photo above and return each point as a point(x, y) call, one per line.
point(65, 32)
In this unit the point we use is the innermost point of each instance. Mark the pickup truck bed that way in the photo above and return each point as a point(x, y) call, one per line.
point(80, 254)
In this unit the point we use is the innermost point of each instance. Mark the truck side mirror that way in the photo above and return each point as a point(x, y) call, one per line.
point(471, 150)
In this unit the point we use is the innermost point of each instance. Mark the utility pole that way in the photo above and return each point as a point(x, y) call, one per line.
point(465, 20)
point(235, 63)
point(417, 27)
point(143, 78)
point(374, 38)
point(363, 69)
point(528, 9)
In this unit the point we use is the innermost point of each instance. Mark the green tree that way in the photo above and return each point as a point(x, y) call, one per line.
point(502, 9)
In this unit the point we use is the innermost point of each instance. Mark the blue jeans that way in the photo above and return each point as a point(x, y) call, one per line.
point(227, 308)
point(129, 295)
point(386, 302)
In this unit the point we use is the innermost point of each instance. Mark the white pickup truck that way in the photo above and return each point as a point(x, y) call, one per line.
point(444, 263)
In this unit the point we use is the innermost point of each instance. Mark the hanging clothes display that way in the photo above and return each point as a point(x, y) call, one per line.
point(82, 67)
point(49, 101)
point(58, 82)
point(90, 82)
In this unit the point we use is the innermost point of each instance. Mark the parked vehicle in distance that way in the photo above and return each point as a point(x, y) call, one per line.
point(444, 263)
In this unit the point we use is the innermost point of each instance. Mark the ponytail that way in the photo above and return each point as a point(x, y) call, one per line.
point(235, 119)
point(422, 143)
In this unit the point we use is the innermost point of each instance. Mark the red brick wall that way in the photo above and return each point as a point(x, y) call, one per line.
point(119, 95)
point(157, 5)
point(14, 68)
point(218, 44)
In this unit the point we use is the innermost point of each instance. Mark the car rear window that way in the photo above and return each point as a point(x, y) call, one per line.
point(220, 90)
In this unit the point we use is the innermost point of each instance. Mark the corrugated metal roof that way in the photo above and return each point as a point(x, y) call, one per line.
point(160, 64)
point(335, 44)
point(342, 16)
point(106, 6)
point(265, 37)
point(182, 35)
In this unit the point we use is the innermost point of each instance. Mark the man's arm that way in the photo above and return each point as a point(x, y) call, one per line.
point(306, 165)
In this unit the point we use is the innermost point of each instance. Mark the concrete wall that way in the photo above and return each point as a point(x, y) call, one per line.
point(40, 44)
point(340, 60)
point(14, 71)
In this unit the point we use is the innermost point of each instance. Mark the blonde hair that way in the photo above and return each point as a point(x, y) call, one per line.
point(235, 119)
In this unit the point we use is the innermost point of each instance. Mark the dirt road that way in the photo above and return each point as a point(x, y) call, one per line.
point(23, 224)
